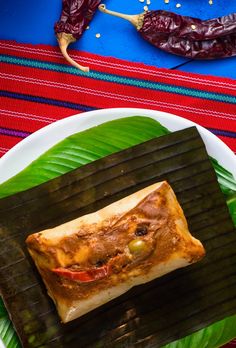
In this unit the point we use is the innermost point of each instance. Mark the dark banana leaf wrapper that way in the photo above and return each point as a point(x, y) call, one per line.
point(150, 315)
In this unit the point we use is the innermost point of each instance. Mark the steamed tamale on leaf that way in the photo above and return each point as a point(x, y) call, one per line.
point(134, 125)
point(150, 315)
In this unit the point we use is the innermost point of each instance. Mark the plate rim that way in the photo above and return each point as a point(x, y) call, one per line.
point(84, 119)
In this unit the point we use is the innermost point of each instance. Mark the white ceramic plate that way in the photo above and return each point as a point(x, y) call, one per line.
point(30, 148)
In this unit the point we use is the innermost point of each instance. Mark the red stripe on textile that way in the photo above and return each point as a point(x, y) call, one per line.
point(23, 107)
point(8, 142)
point(28, 116)
point(231, 142)
point(122, 68)
point(7, 119)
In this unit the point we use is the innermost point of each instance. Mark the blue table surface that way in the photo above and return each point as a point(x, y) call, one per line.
point(32, 21)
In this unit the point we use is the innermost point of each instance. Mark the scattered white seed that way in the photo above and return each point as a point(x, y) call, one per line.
point(178, 5)
point(145, 8)
point(148, 2)
point(167, 1)
point(98, 36)
point(87, 27)
point(141, 0)
point(193, 26)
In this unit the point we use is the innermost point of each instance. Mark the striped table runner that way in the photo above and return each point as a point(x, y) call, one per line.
point(38, 88)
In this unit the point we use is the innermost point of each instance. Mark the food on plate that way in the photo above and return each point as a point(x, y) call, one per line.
point(185, 36)
point(93, 259)
point(75, 18)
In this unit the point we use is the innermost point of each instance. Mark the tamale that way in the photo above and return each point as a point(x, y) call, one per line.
point(97, 257)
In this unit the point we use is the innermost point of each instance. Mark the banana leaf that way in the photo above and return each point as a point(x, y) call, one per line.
point(82, 148)
point(90, 145)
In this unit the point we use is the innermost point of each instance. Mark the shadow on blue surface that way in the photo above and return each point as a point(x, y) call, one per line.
point(32, 21)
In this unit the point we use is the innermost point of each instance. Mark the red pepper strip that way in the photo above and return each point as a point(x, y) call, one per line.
point(83, 276)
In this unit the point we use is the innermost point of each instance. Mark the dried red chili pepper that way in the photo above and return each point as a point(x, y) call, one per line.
point(75, 17)
point(185, 36)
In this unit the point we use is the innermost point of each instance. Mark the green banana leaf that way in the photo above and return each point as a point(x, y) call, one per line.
point(7, 333)
point(213, 336)
point(82, 148)
point(87, 146)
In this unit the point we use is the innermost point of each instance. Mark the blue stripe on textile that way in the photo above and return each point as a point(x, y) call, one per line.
point(43, 100)
point(223, 133)
point(14, 132)
point(226, 98)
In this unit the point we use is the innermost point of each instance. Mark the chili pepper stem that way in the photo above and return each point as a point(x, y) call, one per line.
point(64, 40)
point(133, 19)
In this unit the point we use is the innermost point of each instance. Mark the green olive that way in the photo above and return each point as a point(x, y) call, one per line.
point(137, 246)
